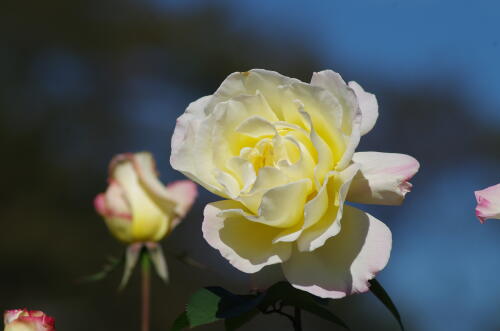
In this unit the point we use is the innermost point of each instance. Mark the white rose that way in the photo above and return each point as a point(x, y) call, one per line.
point(282, 154)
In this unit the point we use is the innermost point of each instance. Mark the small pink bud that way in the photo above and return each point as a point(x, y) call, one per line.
point(28, 320)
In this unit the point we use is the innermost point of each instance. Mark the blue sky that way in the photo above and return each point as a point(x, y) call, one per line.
point(397, 42)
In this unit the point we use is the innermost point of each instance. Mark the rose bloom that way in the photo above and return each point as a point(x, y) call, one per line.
point(281, 153)
point(25, 320)
point(488, 203)
point(137, 207)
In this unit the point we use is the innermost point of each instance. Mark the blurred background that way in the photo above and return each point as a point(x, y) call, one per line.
point(83, 80)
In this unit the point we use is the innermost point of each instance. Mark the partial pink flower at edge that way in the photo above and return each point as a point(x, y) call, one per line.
point(23, 319)
point(488, 203)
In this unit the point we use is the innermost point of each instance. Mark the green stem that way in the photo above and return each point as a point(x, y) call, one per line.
point(146, 290)
point(297, 320)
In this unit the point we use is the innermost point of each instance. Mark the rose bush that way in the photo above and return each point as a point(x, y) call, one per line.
point(282, 154)
point(136, 206)
point(488, 203)
point(25, 320)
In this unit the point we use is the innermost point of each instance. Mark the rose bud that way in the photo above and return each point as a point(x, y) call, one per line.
point(136, 206)
point(26, 320)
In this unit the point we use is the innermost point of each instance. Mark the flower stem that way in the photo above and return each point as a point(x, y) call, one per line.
point(146, 289)
point(297, 320)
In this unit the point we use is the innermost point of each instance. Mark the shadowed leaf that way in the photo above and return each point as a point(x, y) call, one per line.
point(377, 289)
point(180, 323)
point(291, 296)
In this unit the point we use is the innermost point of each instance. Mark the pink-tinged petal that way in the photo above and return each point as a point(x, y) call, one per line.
point(184, 193)
point(23, 319)
point(115, 210)
point(383, 178)
point(488, 203)
point(113, 203)
point(346, 262)
point(247, 245)
point(11, 315)
point(368, 105)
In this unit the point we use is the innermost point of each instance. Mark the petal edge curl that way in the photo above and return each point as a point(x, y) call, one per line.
point(346, 262)
point(247, 245)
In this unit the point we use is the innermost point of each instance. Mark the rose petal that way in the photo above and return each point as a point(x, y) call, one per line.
point(383, 178)
point(184, 193)
point(254, 82)
point(283, 206)
point(266, 179)
point(317, 231)
point(346, 262)
point(488, 203)
point(184, 137)
point(247, 245)
point(368, 105)
point(22, 319)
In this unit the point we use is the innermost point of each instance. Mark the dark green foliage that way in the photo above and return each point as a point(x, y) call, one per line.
point(377, 289)
point(211, 304)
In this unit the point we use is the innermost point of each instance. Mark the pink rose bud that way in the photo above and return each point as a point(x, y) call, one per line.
point(137, 207)
point(26, 320)
point(488, 203)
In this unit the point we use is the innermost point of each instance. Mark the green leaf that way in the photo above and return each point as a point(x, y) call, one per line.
point(156, 256)
point(211, 304)
point(377, 289)
point(202, 308)
point(180, 323)
point(233, 305)
point(131, 257)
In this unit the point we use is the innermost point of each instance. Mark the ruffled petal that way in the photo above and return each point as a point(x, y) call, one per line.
point(368, 105)
point(283, 206)
point(346, 262)
point(319, 227)
point(247, 245)
point(383, 178)
point(182, 157)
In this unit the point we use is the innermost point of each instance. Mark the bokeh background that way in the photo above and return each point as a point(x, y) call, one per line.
point(82, 80)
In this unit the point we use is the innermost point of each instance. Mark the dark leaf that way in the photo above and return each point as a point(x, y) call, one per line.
point(377, 289)
point(180, 323)
point(233, 305)
point(202, 308)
